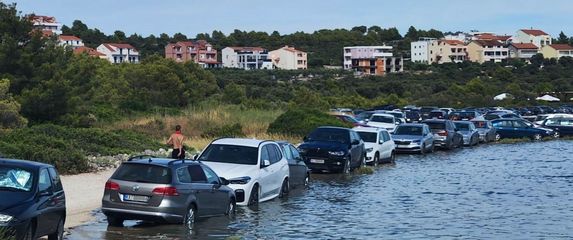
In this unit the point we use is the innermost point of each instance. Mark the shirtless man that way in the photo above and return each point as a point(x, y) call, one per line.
point(176, 140)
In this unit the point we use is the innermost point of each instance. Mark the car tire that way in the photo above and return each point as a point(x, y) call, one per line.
point(59, 234)
point(362, 161)
point(254, 198)
point(556, 134)
point(497, 137)
point(393, 157)
point(284, 189)
point(423, 149)
point(190, 217)
point(30, 232)
point(114, 221)
point(376, 160)
point(537, 137)
point(231, 208)
point(432, 149)
point(346, 168)
point(307, 180)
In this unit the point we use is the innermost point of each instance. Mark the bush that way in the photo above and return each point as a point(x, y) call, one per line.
point(66, 148)
point(229, 130)
point(300, 122)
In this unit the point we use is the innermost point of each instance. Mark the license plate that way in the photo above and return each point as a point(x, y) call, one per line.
point(317, 161)
point(135, 198)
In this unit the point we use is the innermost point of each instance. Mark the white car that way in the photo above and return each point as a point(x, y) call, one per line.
point(378, 143)
point(257, 170)
point(540, 118)
point(383, 120)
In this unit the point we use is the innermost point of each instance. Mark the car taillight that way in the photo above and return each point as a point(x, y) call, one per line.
point(166, 191)
point(111, 186)
point(443, 133)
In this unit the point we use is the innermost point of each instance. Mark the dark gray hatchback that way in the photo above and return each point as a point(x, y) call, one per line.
point(165, 190)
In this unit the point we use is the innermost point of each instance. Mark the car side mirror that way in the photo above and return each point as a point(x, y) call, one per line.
point(224, 181)
point(457, 130)
point(196, 156)
point(366, 120)
point(305, 139)
point(47, 192)
point(265, 163)
point(381, 141)
point(355, 142)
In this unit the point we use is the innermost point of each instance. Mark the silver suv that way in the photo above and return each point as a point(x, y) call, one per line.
point(165, 190)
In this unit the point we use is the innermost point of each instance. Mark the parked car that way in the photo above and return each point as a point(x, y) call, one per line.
point(349, 119)
point(425, 112)
point(413, 137)
point(438, 114)
point(486, 131)
point(364, 116)
point(464, 115)
point(413, 116)
point(378, 143)
point(498, 115)
point(333, 149)
point(165, 190)
point(519, 128)
point(445, 133)
point(540, 118)
point(257, 170)
point(447, 110)
point(383, 120)
point(469, 132)
point(563, 126)
point(398, 115)
point(299, 173)
point(32, 202)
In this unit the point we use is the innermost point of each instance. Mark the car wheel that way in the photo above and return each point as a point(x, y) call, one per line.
point(284, 189)
point(232, 208)
point(190, 217)
point(254, 198)
point(556, 134)
point(537, 137)
point(59, 234)
point(432, 149)
point(307, 180)
point(497, 137)
point(393, 157)
point(362, 161)
point(30, 232)
point(114, 221)
point(376, 160)
point(346, 169)
point(423, 149)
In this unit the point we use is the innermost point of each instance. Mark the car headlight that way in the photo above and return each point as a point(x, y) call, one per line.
point(240, 180)
point(337, 153)
point(5, 218)
point(369, 149)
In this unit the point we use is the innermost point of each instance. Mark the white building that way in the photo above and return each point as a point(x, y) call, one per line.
point(523, 50)
point(72, 41)
point(420, 50)
point(289, 58)
point(46, 24)
point(119, 52)
point(247, 58)
point(487, 51)
point(537, 37)
point(372, 60)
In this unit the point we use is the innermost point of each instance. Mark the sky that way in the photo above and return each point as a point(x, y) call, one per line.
point(191, 17)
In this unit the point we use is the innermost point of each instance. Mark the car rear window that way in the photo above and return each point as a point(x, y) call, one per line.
point(230, 154)
point(409, 130)
point(382, 119)
point(480, 124)
point(143, 173)
point(436, 125)
point(462, 126)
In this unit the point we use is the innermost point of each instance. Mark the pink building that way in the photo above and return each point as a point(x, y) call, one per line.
point(200, 52)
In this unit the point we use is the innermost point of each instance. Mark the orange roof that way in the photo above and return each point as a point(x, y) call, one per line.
point(488, 42)
point(453, 42)
point(561, 46)
point(524, 46)
point(68, 38)
point(40, 18)
point(489, 36)
point(534, 32)
point(89, 51)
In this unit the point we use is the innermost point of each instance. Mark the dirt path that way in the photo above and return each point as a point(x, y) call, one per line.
point(83, 195)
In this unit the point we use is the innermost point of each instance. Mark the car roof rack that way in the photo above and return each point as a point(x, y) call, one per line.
point(141, 157)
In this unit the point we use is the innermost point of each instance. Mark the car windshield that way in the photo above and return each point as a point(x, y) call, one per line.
point(15, 179)
point(462, 126)
point(397, 114)
point(368, 136)
point(412, 115)
point(480, 124)
point(382, 119)
point(350, 119)
point(408, 130)
point(143, 173)
point(330, 135)
point(230, 154)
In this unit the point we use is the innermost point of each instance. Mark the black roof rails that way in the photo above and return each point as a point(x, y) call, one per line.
point(141, 157)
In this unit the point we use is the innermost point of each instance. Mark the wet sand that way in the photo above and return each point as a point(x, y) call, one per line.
point(83, 195)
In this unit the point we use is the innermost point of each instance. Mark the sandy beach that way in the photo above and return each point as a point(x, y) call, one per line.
point(83, 195)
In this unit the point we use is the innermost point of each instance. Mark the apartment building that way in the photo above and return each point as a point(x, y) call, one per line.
point(372, 60)
point(522, 50)
point(421, 50)
point(71, 41)
point(119, 52)
point(487, 51)
point(538, 37)
point(429, 50)
point(557, 51)
point(247, 58)
point(200, 52)
point(289, 58)
point(46, 24)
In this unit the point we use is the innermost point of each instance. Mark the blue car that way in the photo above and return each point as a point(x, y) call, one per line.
point(519, 128)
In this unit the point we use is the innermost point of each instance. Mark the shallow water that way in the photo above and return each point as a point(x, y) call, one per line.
point(515, 191)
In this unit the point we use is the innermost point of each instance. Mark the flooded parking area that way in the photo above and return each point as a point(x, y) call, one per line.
point(491, 191)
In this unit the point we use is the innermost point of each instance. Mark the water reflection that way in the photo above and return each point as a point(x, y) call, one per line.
point(491, 191)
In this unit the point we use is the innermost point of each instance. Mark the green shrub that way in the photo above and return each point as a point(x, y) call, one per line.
point(229, 130)
point(300, 122)
point(66, 148)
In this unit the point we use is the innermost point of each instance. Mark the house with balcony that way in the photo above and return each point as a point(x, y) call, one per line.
point(487, 51)
point(248, 58)
point(200, 52)
point(372, 60)
point(449, 51)
point(522, 50)
point(70, 41)
point(538, 37)
point(119, 52)
point(557, 51)
point(46, 24)
point(289, 58)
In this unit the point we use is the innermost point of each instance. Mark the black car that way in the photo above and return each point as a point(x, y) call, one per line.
point(563, 126)
point(425, 112)
point(333, 149)
point(32, 202)
point(299, 173)
point(438, 114)
point(446, 135)
point(413, 116)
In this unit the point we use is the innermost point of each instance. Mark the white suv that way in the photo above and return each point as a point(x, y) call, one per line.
point(378, 143)
point(257, 170)
point(383, 120)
